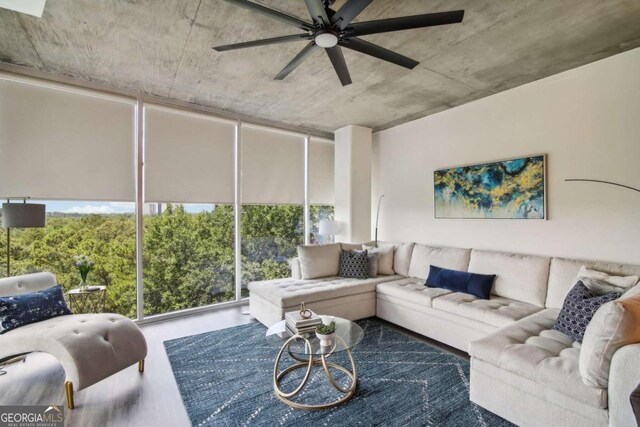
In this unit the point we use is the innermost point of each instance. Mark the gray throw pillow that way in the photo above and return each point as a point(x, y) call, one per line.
point(354, 264)
point(373, 262)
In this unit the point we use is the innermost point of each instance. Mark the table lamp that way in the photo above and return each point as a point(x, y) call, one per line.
point(329, 228)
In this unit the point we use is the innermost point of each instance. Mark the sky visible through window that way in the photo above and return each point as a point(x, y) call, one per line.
point(105, 208)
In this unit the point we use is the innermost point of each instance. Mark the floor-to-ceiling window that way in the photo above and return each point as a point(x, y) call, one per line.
point(102, 231)
point(188, 249)
point(272, 220)
point(321, 187)
point(72, 150)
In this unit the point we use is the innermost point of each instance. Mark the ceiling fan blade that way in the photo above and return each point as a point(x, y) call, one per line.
point(405, 23)
point(348, 12)
point(275, 14)
point(304, 53)
point(378, 52)
point(339, 64)
point(318, 13)
point(274, 40)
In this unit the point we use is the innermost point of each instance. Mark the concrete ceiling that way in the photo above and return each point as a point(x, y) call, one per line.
point(163, 48)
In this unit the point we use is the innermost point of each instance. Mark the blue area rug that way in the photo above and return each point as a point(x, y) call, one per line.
point(225, 379)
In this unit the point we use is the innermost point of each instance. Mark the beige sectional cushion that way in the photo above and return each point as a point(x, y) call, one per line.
point(497, 311)
point(519, 277)
point(319, 260)
point(532, 349)
point(288, 292)
point(423, 256)
point(411, 290)
point(614, 325)
point(619, 282)
point(385, 258)
point(563, 273)
point(354, 246)
point(296, 270)
point(401, 256)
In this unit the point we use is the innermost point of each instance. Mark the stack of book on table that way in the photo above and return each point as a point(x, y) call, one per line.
point(296, 324)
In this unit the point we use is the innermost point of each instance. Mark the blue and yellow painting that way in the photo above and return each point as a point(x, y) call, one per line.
point(513, 189)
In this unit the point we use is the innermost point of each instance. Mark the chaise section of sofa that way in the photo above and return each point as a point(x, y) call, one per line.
point(337, 296)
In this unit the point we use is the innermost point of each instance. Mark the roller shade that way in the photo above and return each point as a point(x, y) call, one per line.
point(272, 167)
point(321, 172)
point(59, 142)
point(189, 157)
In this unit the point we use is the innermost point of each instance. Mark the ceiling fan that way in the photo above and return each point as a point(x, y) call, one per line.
point(332, 30)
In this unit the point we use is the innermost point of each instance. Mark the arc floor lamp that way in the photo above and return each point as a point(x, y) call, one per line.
point(20, 215)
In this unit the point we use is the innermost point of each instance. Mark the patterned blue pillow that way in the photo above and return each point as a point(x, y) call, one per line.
point(578, 309)
point(354, 264)
point(30, 308)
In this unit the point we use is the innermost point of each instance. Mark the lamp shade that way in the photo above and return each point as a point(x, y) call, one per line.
point(328, 227)
point(23, 215)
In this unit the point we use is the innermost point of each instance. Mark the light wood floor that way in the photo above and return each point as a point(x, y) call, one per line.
point(128, 398)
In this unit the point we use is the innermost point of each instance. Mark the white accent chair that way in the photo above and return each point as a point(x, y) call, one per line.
point(90, 347)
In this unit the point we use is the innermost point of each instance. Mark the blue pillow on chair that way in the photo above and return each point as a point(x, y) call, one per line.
point(23, 309)
point(478, 285)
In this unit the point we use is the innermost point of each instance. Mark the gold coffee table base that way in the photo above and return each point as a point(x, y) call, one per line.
point(309, 364)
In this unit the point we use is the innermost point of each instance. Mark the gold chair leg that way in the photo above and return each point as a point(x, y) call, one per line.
point(68, 390)
point(141, 366)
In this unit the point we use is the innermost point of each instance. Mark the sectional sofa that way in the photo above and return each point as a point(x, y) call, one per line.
point(521, 369)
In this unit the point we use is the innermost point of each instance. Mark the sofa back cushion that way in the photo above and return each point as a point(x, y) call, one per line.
point(384, 258)
point(563, 274)
point(450, 258)
point(355, 246)
point(519, 277)
point(401, 256)
point(319, 260)
point(613, 326)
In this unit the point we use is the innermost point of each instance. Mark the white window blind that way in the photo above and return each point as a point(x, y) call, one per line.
point(272, 166)
point(321, 172)
point(59, 142)
point(189, 157)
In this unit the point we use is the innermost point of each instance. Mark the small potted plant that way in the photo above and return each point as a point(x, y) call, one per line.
point(84, 266)
point(326, 332)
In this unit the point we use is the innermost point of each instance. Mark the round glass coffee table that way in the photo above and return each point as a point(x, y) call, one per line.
point(307, 351)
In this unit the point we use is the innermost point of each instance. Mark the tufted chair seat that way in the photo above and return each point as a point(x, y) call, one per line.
point(90, 347)
point(533, 349)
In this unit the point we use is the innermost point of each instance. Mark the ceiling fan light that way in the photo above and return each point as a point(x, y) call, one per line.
point(326, 40)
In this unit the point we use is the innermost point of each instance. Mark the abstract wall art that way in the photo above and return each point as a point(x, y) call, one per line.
point(510, 189)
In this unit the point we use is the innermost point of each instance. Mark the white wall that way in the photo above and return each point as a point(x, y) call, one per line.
point(586, 120)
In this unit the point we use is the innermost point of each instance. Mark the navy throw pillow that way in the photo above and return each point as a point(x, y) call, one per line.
point(478, 285)
point(578, 309)
point(21, 310)
point(354, 264)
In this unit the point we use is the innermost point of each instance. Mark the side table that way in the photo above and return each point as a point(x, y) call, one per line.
point(87, 301)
